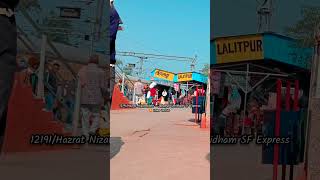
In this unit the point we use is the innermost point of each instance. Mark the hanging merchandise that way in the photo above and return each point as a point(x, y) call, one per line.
point(272, 102)
point(291, 126)
point(176, 87)
point(239, 80)
point(200, 106)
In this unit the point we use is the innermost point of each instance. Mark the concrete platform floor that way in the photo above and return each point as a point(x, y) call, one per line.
point(159, 146)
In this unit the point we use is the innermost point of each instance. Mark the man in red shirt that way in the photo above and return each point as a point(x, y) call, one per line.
point(247, 124)
point(153, 93)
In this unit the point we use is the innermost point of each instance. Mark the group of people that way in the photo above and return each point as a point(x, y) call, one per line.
point(141, 90)
point(233, 120)
point(154, 95)
point(58, 94)
point(9, 66)
point(149, 95)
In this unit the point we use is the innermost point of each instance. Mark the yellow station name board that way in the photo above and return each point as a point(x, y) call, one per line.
point(184, 77)
point(241, 48)
point(164, 75)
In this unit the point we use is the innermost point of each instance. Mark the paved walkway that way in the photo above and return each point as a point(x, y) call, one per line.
point(231, 162)
point(81, 164)
point(158, 146)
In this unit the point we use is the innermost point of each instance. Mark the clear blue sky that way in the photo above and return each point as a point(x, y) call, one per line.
point(179, 28)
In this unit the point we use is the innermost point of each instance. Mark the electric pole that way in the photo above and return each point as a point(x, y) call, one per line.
point(264, 11)
point(141, 66)
point(312, 137)
point(193, 63)
point(144, 56)
point(96, 24)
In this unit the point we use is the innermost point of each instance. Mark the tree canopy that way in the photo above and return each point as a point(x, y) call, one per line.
point(205, 69)
point(303, 29)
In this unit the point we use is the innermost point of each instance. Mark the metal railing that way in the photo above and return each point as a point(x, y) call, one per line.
point(127, 86)
point(41, 84)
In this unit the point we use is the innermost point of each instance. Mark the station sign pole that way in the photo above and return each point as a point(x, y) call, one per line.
point(277, 131)
point(196, 107)
point(245, 97)
point(312, 119)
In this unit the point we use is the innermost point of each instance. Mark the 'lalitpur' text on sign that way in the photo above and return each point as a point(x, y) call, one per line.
point(241, 48)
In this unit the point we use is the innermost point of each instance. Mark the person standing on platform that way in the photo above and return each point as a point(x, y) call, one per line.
point(248, 124)
point(233, 105)
point(34, 65)
point(170, 95)
point(145, 91)
point(138, 89)
point(51, 87)
point(93, 90)
point(164, 95)
point(8, 56)
point(115, 22)
point(153, 93)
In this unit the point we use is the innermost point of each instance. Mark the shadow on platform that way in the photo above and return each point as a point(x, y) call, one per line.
point(115, 146)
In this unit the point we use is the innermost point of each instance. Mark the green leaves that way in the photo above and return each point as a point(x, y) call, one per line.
point(304, 28)
point(205, 69)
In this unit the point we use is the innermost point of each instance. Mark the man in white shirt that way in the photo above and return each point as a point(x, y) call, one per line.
point(93, 90)
point(138, 89)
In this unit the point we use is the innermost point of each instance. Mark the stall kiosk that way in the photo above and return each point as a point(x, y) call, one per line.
point(271, 73)
point(193, 83)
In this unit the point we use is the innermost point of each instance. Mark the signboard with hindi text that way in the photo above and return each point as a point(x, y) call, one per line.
point(240, 48)
point(164, 75)
point(160, 75)
point(184, 77)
